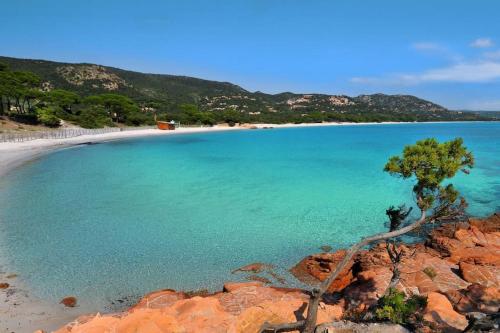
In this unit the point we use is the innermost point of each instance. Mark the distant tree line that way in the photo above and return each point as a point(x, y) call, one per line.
point(24, 98)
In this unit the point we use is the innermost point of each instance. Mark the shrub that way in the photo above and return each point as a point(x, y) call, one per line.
point(398, 309)
point(93, 117)
point(47, 117)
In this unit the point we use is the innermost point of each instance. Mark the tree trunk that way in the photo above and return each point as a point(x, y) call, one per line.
point(312, 311)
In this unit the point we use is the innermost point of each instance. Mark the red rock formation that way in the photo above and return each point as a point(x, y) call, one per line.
point(439, 312)
point(458, 268)
point(243, 309)
point(453, 257)
point(318, 267)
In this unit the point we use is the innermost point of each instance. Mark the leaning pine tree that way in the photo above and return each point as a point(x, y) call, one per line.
point(429, 163)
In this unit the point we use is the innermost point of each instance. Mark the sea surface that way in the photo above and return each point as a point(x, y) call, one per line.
point(119, 219)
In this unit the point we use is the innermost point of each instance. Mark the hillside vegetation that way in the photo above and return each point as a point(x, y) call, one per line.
point(89, 95)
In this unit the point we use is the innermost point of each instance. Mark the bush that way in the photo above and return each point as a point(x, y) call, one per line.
point(93, 117)
point(398, 309)
point(47, 117)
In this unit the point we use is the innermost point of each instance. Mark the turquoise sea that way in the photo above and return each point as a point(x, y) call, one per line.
point(123, 218)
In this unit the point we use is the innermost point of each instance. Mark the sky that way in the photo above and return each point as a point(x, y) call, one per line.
point(447, 51)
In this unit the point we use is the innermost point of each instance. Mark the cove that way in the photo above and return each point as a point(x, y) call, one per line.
point(123, 218)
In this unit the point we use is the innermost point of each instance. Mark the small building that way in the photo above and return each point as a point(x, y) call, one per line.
point(167, 125)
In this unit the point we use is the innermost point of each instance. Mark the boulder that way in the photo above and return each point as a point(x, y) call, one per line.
point(69, 301)
point(488, 276)
point(476, 298)
point(367, 289)
point(441, 315)
point(429, 273)
point(4, 285)
point(316, 268)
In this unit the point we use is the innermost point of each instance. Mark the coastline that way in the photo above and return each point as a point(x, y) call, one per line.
point(14, 154)
point(25, 312)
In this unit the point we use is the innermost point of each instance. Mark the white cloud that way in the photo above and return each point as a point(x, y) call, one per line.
point(471, 72)
point(482, 43)
point(492, 54)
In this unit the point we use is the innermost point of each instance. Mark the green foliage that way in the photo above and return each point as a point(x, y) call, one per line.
point(430, 163)
point(94, 116)
point(230, 116)
point(430, 272)
point(119, 107)
point(62, 98)
point(190, 114)
point(47, 117)
point(398, 309)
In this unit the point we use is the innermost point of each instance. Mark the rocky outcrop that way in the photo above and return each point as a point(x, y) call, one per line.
point(461, 261)
point(317, 267)
point(457, 268)
point(441, 315)
point(243, 307)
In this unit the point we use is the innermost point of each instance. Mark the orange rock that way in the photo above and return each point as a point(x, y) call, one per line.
point(252, 319)
point(199, 314)
point(147, 321)
point(478, 255)
point(159, 299)
point(232, 286)
point(368, 288)
point(318, 267)
point(69, 301)
point(439, 312)
point(488, 276)
point(4, 285)
point(413, 275)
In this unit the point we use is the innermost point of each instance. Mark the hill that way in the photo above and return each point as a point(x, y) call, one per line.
point(165, 93)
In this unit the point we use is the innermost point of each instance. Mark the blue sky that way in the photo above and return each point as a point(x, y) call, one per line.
point(447, 51)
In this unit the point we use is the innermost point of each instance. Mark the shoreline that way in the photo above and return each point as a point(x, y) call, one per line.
point(15, 154)
point(26, 312)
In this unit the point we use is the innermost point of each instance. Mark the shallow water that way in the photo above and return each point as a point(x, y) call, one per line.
point(124, 218)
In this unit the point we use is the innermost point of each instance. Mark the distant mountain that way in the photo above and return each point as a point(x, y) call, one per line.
point(168, 91)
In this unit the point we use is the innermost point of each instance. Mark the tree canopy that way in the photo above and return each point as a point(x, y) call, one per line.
point(431, 163)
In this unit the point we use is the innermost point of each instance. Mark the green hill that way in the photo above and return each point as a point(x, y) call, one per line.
point(165, 93)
